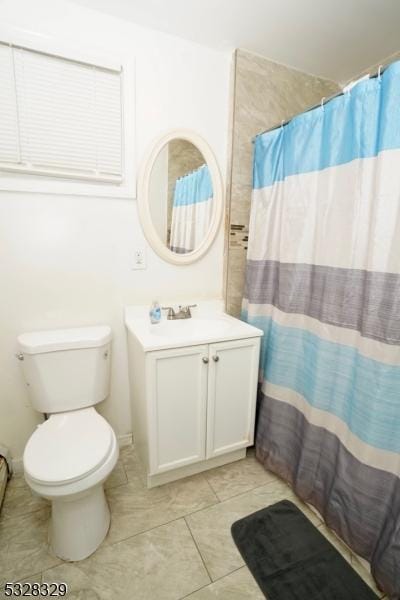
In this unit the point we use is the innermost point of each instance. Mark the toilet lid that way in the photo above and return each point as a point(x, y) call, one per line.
point(67, 447)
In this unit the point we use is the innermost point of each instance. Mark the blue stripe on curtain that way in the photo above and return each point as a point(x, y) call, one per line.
point(194, 187)
point(362, 392)
point(352, 123)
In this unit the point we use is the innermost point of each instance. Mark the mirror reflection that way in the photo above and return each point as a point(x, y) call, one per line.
point(181, 196)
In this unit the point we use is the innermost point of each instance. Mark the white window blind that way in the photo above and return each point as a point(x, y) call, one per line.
point(9, 136)
point(59, 117)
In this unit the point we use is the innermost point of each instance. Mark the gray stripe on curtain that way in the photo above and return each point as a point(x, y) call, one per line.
point(359, 502)
point(366, 301)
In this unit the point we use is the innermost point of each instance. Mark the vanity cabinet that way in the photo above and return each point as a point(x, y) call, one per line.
point(231, 395)
point(193, 407)
point(177, 402)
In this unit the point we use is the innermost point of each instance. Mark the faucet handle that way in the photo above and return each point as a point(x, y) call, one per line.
point(188, 307)
point(186, 310)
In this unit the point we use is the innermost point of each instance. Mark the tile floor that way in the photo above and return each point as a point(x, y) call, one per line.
point(167, 543)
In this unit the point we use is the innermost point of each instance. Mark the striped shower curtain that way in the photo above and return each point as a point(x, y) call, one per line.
point(323, 282)
point(191, 210)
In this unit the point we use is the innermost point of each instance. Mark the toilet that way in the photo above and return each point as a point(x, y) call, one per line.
point(71, 454)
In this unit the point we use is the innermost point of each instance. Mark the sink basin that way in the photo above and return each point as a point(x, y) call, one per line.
point(191, 328)
point(204, 327)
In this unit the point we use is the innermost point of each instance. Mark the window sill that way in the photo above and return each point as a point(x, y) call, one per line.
point(46, 185)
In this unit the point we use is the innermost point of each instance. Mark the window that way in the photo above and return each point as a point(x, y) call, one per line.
point(59, 117)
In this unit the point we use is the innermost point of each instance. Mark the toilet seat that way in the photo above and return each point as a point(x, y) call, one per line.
point(68, 447)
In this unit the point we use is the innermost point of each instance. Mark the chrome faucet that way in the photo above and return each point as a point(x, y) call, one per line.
point(183, 312)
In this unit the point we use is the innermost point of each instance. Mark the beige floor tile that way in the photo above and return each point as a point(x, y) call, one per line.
point(238, 477)
point(161, 563)
point(19, 499)
point(32, 579)
point(336, 542)
point(239, 585)
point(24, 549)
point(165, 559)
point(117, 477)
point(17, 480)
point(211, 528)
point(365, 575)
point(134, 508)
point(133, 467)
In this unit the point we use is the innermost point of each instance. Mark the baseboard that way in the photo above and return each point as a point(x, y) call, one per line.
point(194, 468)
point(123, 440)
point(17, 465)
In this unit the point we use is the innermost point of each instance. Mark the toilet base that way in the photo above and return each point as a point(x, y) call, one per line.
point(79, 524)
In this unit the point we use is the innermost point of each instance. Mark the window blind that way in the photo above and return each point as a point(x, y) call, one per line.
point(59, 117)
point(9, 134)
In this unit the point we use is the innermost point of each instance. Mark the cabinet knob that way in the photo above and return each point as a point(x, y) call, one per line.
point(215, 358)
point(205, 359)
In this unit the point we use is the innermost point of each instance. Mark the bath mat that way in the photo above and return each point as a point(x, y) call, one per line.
point(291, 560)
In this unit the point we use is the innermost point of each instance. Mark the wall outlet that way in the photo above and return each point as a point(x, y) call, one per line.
point(139, 259)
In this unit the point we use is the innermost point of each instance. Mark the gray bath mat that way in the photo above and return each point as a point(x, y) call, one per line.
point(291, 560)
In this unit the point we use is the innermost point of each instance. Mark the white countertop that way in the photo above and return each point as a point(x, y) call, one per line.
point(209, 324)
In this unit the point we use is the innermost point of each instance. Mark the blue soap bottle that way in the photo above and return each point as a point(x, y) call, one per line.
point(155, 312)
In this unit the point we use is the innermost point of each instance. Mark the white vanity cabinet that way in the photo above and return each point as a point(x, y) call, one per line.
point(201, 401)
point(194, 405)
point(231, 397)
point(177, 405)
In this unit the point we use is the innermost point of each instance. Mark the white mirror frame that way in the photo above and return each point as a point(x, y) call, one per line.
point(143, 200)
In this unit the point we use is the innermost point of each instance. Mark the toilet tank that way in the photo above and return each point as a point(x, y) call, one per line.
point(66, 369)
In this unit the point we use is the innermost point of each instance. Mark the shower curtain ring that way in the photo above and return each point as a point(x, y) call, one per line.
point(282, 122)
point(380, 72)
point(322, 102)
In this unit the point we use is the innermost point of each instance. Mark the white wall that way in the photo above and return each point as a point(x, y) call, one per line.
point(66, 260)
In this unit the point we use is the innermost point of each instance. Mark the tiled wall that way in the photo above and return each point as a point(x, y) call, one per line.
point(264, 93)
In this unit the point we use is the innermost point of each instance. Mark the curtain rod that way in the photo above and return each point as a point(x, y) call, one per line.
point(325, 101)
point(192, 172)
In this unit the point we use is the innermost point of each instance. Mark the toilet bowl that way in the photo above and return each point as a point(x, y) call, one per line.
point(66, 461)
point(71, 454)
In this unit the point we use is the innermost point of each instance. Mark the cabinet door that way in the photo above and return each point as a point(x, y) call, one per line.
point(177, 383)
point(232, 392)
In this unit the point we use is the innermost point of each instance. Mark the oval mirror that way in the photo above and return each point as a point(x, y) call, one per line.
point(180, 197)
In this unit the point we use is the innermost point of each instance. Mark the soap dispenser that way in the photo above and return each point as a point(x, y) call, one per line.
point(155, 312)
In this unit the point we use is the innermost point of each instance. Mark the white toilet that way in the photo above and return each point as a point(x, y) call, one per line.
point(69, 456)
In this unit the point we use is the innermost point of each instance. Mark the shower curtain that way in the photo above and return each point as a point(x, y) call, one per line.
point(191, 211)
point(323, 282)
